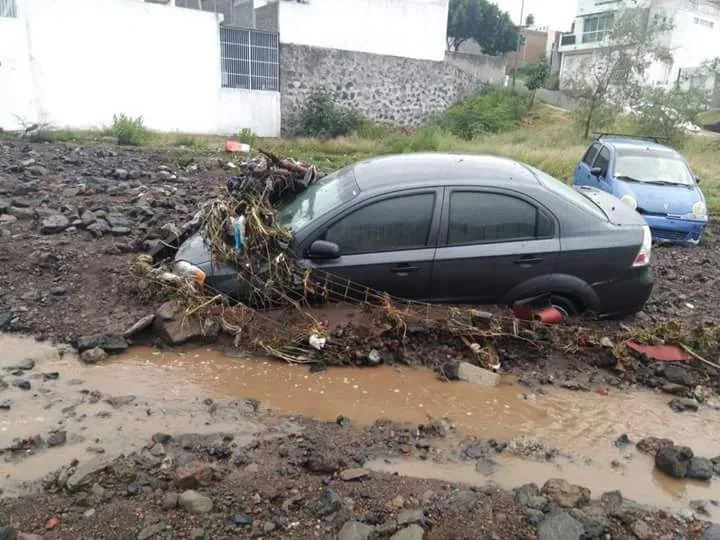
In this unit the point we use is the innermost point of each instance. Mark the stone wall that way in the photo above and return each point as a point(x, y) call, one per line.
point(399, 90)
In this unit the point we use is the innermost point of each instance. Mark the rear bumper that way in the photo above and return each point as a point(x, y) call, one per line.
point(676, 230)
point(627, 294)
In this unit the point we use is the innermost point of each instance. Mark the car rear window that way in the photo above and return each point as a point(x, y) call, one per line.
point(562, 189)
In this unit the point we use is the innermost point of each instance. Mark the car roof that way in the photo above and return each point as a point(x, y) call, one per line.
point(636, 144)
point(439, 168)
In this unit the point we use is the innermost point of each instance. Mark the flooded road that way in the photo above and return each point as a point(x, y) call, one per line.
point(168, 389)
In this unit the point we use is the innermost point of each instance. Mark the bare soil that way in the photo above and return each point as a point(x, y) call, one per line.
point(71, 222)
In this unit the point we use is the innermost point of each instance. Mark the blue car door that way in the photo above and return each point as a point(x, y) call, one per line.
point(582, 176)
point(604, 180)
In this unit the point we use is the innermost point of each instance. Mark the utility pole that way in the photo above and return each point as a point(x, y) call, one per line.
point(517, 50)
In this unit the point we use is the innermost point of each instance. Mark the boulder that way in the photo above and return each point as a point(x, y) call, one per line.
point(354, 530)
point(54, 224)
point(195, 503)
point(678, 374)
point(560, 526)
point(674, 460)
point(175, 328)
point(683, 404)
point(700, 469)
point(93, 356)
point(110, 343)
point(477, 375)
point(564, 494)
point(651, 445)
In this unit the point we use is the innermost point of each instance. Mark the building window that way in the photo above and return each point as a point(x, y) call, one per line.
point(703, 22)
point(7, 8)
point(250, 59)
point(597, 27)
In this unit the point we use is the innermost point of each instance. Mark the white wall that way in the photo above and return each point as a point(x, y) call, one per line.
point(411, 28)
point(85, 60)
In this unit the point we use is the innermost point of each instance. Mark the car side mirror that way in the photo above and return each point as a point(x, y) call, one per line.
point(697, 179)
point(596, 171)
point(321, 249)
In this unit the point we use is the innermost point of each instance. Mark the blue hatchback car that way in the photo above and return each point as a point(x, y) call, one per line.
point(651, 178)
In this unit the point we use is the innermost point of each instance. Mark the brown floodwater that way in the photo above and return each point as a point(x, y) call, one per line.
point(170, 385)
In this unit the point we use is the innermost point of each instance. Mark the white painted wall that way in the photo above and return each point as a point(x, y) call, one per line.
point(74, 63)
point(411, 28)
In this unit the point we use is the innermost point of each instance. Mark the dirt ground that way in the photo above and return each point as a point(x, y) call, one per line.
point(71, 222)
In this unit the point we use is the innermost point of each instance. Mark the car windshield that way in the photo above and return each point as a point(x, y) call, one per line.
point(652, 167)
point(318, 199)
point(562, 189)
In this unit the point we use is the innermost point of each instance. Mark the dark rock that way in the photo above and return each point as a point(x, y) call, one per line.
point(174, 327)
point(242, 520)
point(651, 445)
point(594, 530)
point(26, 364)
point(5, 319)
point(162, 438)
point(674, 460)
point(329, 503)
point(623, 441)
point(560, 526)
point(121, 174)
point(675, 389)
point(88, 218)
point(110, 343)
point(5, 405)
point(413, 532)
point(449, 370)
point(37, 170)
point(8, 533)
point(22, 384)
point(700, 469)
point(535, 517)
point(343, 421)
point(99, 228)
point(679, 375)
point(683, 404)
point(51, 376)
point(4, 205)
point(57, 438)
point(120, 401)
point(120, 231)
point(54, 224)
point(410, 516)
point(139, 326)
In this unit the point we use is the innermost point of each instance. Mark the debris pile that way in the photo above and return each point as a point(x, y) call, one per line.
point(279, 315)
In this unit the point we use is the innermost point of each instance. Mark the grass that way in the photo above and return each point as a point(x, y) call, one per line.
point(709, 118)
point(547, 139)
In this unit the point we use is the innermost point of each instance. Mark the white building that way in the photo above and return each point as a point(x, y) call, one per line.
point(694, 38)
point(200, 66)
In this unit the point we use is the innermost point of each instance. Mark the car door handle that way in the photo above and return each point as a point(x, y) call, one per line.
point(529, 259)
point(404, 269)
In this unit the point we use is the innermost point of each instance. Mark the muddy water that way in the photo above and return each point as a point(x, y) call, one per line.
point(170, 387)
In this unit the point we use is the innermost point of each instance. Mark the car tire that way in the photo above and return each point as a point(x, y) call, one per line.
point(564, 305)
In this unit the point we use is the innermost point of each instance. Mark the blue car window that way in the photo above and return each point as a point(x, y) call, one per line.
point(603, 159)
point(652, 166)
point(589, 156)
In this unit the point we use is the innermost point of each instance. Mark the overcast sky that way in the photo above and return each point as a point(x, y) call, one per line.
point(557, 14)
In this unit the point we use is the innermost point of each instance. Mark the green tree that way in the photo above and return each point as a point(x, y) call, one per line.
point(537, 76)
point(483, 22)
point(612, 76)
point(667, 113)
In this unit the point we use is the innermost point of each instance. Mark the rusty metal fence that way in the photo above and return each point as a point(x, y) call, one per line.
point(7, 8)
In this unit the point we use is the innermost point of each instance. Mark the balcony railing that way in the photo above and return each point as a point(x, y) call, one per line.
point(567, 39)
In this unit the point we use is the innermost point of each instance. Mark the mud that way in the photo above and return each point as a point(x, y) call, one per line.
point(116, 407)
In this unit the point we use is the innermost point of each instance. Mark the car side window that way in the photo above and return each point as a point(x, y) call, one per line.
point(590, 154)
point(603, 159)
point(477, 217)
point(388, 225)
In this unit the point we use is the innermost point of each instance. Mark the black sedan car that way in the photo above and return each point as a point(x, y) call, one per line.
point(463, 229)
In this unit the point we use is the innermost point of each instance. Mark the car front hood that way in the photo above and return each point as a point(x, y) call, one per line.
point(194, 250)
point(665, 199)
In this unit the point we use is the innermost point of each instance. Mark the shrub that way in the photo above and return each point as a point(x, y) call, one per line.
point(491, 111)
point(53, 136)
point(247, 136)
point(188, 141)
point(129, 131)
point(369, 129)
point(322, 117)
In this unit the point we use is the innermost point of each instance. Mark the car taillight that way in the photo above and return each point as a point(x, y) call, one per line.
point(643, 256)
point(185, 269)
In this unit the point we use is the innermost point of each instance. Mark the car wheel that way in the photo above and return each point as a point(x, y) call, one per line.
point(564, 305)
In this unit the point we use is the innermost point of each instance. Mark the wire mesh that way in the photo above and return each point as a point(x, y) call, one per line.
point(250, 59)
point(8, 8)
